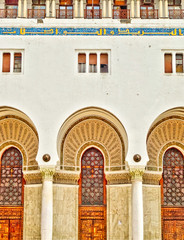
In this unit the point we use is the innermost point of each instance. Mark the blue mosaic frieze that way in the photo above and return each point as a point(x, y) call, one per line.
point(93, 31)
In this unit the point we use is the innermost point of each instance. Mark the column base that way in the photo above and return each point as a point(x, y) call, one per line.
point(125, 20)
point(39, 20)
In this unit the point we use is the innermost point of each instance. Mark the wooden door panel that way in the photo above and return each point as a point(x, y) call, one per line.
point(98, 230)
point(173, 230)
point(15, 230)
point(4, 229)
point(86, 229)
point(92, 222)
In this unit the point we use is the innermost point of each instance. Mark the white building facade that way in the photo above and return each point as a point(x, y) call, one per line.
point(91, 120)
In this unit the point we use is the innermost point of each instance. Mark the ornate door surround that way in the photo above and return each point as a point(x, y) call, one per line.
point(173, 195)
point(92, 200)
point(11, 195)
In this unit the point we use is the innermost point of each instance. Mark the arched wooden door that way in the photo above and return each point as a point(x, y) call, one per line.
point(173, 195)
point(11, 195)
point(92, 200)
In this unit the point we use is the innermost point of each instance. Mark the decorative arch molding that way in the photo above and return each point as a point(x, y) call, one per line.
point(92, 127)
point(16, 129)
point(166, 131)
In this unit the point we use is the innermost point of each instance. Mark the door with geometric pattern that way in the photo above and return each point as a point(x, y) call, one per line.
point(173, 195)
point(11, 195)
point(92, 201)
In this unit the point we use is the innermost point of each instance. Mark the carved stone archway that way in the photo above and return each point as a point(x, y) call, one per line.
point(89, 127)
point(18, 140)
point(166, 132)
point(16, 129)
point(92, 128)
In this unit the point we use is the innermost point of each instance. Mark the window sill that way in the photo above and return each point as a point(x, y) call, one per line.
point(174, 74)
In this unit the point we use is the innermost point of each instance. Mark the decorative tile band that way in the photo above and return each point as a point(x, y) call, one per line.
point(93, 31)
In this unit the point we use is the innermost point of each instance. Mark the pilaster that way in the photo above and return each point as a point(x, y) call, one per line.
point(110, 8)
point(104, 12)
point(82, 8)
point(47, 8)
point(76, 6)
point(132, 8)
point(25, 8)
point(166, 9)
point(138, 8)
point(53, 8)
point(19, 8)
point(160, 8)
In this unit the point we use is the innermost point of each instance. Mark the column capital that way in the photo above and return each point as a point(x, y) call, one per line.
point(136, 173)
point(47, 172)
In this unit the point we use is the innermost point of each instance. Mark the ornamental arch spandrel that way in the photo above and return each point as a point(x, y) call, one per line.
point(165, 146)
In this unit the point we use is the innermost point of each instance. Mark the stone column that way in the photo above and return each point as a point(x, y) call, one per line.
point(19, 8)
point(81, 8)
point(53, 8)
point(160, 8)
point(47, 202)
point(166, 8)
point(132, 9)
point(47, 8)
point(138, 8)
point(76, 9)
point(25, 8)
point(104, 12)
point(110, 8)
point(136, 173)
point(182, 4)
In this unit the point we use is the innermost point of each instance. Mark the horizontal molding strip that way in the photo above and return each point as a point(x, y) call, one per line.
point(92, 31)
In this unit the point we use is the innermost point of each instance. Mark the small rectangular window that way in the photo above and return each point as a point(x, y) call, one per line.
point(168, 63)
point(104, 63)
point(6, 62)
point(179, 63)
point(81, 62)
point(92, 62)
point(17, 62)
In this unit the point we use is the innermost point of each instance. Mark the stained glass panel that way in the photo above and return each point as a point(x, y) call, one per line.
point(92, 177)
point(11, 177)
point(173, 179)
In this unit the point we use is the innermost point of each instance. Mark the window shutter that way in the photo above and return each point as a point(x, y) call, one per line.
point(65, 2)
point(104, 58)
point(179, 63)
point(168, 63)
point(93, 2)
point(119, 2)
point(17, 62)
point(81, 58)
point(93, 59)
point(6, 62)
point(11, 2)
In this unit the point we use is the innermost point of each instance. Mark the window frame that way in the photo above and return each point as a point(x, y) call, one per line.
point(173, 53)
point(98, 53)
point(12, 52)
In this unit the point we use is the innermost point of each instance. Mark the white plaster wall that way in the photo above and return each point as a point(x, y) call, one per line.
point(50, 89)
